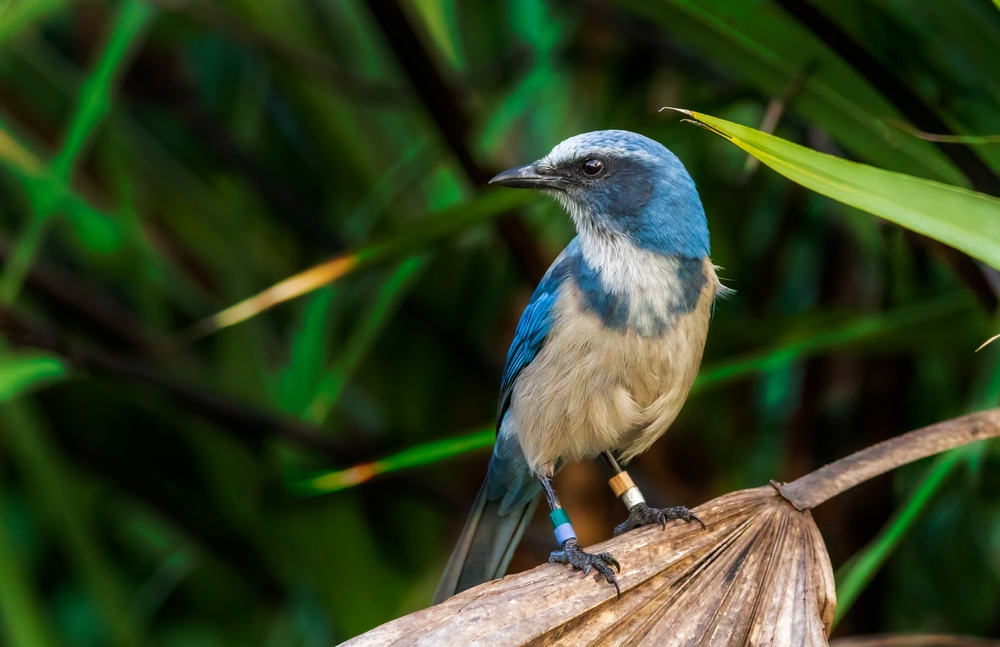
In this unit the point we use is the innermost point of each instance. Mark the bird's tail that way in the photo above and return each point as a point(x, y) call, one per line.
point(486, 545)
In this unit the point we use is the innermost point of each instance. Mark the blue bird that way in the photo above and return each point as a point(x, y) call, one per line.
point(606, 351)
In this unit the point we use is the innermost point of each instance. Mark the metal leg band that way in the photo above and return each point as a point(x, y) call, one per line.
point(632, 497)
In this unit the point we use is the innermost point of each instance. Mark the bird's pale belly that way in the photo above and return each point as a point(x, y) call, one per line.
point(592, 388)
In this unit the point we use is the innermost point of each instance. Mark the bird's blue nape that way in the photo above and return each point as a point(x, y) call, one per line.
point(644, 193)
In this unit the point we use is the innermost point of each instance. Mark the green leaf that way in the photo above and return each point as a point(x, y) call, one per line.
point(94, 100)
point(300, 378)
point(424, 454)
point(20, 374)
point(966, 220)
point(93, 104)
point(96, 230)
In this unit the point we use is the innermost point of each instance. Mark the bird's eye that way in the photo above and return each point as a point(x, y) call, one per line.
point(593, 167)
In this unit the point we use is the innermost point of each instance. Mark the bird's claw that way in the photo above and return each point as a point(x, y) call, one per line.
point(643, 515)
point(576, 557)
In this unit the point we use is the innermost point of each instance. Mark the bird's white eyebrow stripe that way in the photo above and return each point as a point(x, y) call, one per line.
point(572, 150)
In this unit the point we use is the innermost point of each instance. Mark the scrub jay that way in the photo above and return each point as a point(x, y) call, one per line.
point(606, 350)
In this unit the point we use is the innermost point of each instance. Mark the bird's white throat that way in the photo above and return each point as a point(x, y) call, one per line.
point(649, 282)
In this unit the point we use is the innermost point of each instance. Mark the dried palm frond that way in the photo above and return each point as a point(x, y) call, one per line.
point(759, 574)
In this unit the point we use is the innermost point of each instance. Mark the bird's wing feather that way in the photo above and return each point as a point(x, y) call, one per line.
point(534, 327)
point(528, 340)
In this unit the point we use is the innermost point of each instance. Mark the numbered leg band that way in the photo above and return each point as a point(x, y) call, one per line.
point(623, 487)
point(561, 526)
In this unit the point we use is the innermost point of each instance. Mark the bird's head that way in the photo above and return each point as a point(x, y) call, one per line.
point(619, 183)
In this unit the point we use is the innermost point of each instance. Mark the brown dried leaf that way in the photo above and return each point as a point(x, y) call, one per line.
point(759, 575)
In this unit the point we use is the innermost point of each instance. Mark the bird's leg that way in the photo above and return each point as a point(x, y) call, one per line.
point(640, 514)
point(571, 552)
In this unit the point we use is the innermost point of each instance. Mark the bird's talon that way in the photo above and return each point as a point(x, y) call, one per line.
point(586, 562)
point(643, 515)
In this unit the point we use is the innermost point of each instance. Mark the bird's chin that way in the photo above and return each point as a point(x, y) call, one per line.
point(584, 219)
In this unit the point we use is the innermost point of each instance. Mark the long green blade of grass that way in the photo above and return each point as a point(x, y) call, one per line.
point(47, 194)
point(424, 454)
point(298, 380)
point(966, 220)
point(94, 228)
point(94, 102)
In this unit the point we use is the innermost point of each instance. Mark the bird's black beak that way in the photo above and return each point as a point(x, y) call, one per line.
point(529, 177)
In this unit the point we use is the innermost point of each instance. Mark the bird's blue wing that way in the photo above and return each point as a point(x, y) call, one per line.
point(529, 337)
point(534, 327)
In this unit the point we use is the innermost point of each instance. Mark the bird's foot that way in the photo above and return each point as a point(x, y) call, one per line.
point(643, 515)
point(575, 556)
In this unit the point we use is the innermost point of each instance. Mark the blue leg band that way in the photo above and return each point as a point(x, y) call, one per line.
point(561, 526)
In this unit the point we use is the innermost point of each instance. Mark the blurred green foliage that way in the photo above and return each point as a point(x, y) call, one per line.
point(163, 161)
